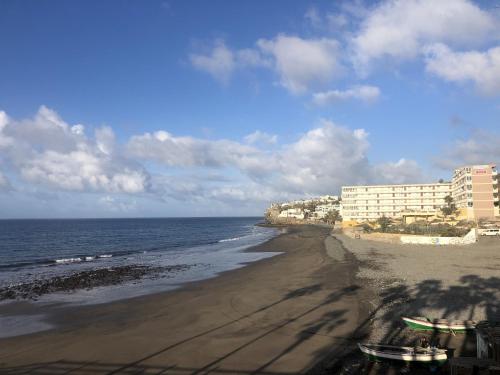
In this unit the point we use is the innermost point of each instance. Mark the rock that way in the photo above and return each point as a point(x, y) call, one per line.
point(86, 280)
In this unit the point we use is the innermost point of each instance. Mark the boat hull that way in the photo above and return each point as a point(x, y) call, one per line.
point(406, 355)
point(425, 325)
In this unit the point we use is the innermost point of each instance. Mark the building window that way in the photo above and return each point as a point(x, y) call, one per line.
point(470, 204)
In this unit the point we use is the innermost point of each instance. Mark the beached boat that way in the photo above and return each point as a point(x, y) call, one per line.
point(377, 352)
point(441, 325)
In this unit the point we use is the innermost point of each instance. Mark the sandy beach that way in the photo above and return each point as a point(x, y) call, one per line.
point(297, 312)
point(453, 282)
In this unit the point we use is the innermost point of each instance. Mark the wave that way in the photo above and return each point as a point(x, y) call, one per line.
point(84, 258)
point(68, 260)
point(231, 239)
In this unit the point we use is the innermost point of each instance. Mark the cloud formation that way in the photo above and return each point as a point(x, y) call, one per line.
point(46, 150)
point(299, 63)
point(399, 29)
point(4, 182)
point(190, 169)
point(261, 137)
point(219, 63)
point(365, 93)
point(481, 68)
point(481, 147)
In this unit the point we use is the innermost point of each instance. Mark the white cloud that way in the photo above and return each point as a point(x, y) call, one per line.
point(320, 161)
point(105, 140)
point(313, 17)
point(400, 172)
point(302, 63)
point(170, 150)
point(399, 28)
point(4, 139)
point(46, 150)
point(327, 21)
point(83, 170)
point(115, 204)
point(261, 137)
point(4, 182)
point(364, 93)
point(220, 62)
point(481, 68)
point(189, 169)
point(251, 58)
point(481, 147)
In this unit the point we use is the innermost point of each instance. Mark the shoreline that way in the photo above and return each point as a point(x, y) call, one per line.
point(87, 284)
point(284, 307)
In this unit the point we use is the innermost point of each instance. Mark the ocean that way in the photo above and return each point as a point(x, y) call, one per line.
point(32, 250)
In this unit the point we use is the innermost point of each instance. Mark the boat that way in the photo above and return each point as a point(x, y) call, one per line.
point(441, 325)
point(431, 355)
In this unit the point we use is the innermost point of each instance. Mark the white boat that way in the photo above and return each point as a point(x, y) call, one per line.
point(442, 325)
point(378, 352)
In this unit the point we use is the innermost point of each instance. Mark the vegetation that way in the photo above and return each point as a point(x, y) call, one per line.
point(367, 228)
point(384, 223)
point(450, 208)
point(425, 228)
point(332, 217)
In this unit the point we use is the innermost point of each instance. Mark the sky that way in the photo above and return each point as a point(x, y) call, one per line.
point(193, 108)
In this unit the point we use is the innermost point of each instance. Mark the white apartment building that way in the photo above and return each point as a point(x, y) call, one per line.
point(361, 203)
point(475, 191)
point(322, 209)
point(295, 213)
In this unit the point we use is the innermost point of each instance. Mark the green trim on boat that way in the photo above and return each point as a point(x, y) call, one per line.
point(422, 327)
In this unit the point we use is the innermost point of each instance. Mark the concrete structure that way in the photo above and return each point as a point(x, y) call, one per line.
point(468, 239)
point(361, 203)
point(475, 191)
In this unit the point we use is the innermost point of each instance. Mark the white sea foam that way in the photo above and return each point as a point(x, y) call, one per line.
point(89, 259)
point(105, 256)
point(68, 260)
point(232, 239)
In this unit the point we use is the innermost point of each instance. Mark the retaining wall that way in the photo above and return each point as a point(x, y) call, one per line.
point(468, 239)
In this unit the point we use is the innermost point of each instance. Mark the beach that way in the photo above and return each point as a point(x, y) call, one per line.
point(292, 313)
point(452, 282)
point(302, 311)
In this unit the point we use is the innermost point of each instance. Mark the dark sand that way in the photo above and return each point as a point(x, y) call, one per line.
point(293, 313)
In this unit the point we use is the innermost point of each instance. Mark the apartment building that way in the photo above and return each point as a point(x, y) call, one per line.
point(361, 203)
point(475, 191)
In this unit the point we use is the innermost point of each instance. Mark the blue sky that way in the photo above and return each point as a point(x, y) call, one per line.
point(194, 108)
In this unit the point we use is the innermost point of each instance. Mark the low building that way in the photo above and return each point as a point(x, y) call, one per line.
point(295, 213)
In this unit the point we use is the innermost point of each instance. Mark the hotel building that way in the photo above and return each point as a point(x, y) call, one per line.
point(361, 203)
point(474, 190)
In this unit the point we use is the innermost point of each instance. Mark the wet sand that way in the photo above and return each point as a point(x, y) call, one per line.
point(298, 312)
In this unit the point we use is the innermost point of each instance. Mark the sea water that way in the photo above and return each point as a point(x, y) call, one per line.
point(32, 250)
